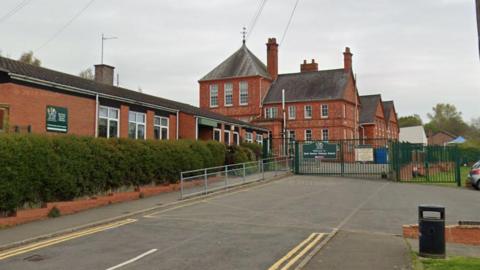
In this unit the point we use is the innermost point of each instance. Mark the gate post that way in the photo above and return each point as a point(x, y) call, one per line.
point(458, 177)
point(342, 159)
point(296, 159)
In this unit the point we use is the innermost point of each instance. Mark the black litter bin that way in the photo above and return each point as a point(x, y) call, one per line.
point(431, 230)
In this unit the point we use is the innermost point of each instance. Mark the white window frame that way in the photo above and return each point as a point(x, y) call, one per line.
point(292, 112)
point(213, 87)
point(289, 134)
point(236, 141)
point(305, 135)
point(305, 111)
point(138, 124)
point(242, 92)
point(230, 91)
point(259, 138)
point(249, 137)
point(323, 134)
point(108, 118)
point(322, 114)
point(219, 134)
point(162, 127)
point(224, 133)
point(269, 112)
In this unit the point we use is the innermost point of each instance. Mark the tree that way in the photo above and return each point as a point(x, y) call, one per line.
point(446, 117)
point(87, 74)
point(28, 58)
point(410, 121)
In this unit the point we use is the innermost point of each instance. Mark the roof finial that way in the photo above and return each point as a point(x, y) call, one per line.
point(244, 34)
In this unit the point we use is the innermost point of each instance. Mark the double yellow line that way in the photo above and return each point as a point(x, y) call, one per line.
point(297, 252)
point(63, 238)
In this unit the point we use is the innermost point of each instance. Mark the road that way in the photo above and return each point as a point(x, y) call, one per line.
point(251, 228)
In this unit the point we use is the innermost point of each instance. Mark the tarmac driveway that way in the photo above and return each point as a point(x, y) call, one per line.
point(256, 227)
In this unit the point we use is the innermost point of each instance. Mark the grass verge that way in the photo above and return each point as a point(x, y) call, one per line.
point(453, 263)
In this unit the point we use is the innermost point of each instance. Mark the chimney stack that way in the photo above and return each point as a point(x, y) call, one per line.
point(309, 67)
point(347, 60)
point(104, 74)
point(272, 58)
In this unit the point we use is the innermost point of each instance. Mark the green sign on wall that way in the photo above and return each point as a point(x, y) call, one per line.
point(57, 119)
point(320, 150)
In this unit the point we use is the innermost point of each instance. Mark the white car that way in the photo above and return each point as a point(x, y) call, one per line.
point(474, 175)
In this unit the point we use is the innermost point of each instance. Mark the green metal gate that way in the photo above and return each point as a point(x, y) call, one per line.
point(378, 158)
point(353, 158)
point(427, 164)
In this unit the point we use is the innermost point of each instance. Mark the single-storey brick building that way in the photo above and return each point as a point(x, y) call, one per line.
point(39, 100)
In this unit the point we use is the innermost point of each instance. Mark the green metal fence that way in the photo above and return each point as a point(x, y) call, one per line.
point(419, 163)
point(378, 158)
point(353, 158)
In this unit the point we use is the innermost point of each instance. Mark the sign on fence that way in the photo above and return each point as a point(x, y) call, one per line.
point(320, 150)
point(364, 154)
point(57, 119)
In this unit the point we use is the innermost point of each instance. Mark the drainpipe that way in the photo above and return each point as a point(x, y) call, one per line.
point(177, 121)
point(196, 128)
point(96, 115)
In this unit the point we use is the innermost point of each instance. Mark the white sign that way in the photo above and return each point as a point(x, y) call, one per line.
point(364, 154)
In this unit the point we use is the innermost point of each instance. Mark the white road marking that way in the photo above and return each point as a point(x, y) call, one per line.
point(133, 260)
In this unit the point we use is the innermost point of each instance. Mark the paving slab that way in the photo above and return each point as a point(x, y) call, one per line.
point(362, 251)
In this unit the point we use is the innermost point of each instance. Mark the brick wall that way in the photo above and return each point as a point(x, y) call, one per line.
point(340, 121)
point(27, 106)
point(257, 89)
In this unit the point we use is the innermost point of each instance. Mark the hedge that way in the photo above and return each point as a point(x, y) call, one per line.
point(38, 169)
point(256, 148)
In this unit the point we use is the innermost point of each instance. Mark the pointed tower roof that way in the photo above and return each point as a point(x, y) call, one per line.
point(242, 63)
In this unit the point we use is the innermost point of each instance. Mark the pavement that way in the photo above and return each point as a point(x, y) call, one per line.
point(336, 223)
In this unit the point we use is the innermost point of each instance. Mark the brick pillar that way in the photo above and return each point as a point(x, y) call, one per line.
point(222, 127)
point(149, 124)
point(124, 109)
point(172, 127)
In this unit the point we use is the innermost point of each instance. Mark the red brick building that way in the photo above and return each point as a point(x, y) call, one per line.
point(391, 119)
point(319, 104)
point(440, 137)
point(44, 101)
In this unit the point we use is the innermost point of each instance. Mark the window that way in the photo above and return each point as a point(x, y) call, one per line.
point(136, 125)
point(243, 93)
point(344, 111)
point(217, 134)
point(108, 122)
point(259, 138)
point(308, 135)
point(308, 112)
point(324, 111)
point(160, 128)
point(249, 137)
point(271, 113)
point(291, 135)
point(226, 137)
point(325, 134)
point(292, 112)
point(3, 119)
point(228, 89)
point(236, 138)
point(213, 95)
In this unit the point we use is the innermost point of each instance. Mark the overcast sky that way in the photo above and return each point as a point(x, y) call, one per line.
point(416, 52)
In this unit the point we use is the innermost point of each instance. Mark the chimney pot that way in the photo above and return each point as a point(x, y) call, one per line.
point(347, 60)
point(309, 67)
point(272, 58)
point(104, 74)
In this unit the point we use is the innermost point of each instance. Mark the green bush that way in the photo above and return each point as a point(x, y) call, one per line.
point(256, 148)
point(38, 169)
point(239, 154)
